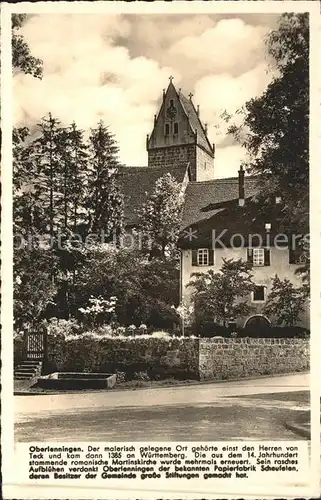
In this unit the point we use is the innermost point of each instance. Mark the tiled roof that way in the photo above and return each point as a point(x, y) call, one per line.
point(195, 122)
point(137, 182)
point(202, 199)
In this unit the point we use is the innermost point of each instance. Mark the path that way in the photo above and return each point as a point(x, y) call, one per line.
point(248, 409)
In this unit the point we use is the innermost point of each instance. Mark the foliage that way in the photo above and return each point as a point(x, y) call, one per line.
point(275, 129)
point(160, 216)
point(22, 59)
point(34, 290)
point(148, 353)
point(285, 302)
point(145, 290)
point(218, 296)
point(99, 310)
point(105, 202)
point(56, 177)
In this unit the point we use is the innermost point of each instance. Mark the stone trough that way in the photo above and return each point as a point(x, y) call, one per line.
point(76, 380)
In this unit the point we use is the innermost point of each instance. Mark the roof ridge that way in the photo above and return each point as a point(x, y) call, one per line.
point(200, 126)
point(223, 179)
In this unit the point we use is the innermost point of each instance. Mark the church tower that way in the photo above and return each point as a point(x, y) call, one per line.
point(179, 138)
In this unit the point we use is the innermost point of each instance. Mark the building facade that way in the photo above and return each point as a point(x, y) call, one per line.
point(178, 144)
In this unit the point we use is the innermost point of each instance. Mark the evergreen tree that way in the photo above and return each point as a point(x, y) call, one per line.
point(46, 155)
point(74, 177)
point(104, 202)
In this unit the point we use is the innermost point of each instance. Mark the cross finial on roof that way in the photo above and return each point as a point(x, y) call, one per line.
point(171, 78)
point(190, 95)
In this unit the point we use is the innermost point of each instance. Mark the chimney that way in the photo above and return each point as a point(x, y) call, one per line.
point(164, 93)
point(154, 119)
point(205, 127)
point(147, 141)
point(241, 187)
point(198, 110)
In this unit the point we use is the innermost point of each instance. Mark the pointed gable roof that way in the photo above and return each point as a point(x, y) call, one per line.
point(195, 122)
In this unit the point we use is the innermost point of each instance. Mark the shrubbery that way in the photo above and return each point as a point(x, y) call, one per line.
point(209, 330)
point(156, 357)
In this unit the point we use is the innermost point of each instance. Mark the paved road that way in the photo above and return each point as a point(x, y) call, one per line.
point(249, 409)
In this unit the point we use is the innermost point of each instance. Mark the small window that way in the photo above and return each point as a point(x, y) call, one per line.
point(175, 128)
point(258, 257)
point(202, 257)
point(166, 128)
point(171, 102)
point(259, 294)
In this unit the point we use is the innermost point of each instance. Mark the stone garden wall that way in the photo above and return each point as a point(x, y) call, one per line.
point(221, 358)
point(158, 357)
point(173, 357)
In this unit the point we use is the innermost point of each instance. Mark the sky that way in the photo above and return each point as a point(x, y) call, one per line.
point(114, 68)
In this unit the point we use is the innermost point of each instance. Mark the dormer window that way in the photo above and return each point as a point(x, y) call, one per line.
point(175, 128)
point(166, 128)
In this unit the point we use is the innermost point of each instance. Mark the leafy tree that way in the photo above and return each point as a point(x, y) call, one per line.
point(22, 59)
point(275, 129)
point(145, 290)
point(218, 295)
point(285, 302)
point(34, 290)
point(160, 216)
point(105, 202)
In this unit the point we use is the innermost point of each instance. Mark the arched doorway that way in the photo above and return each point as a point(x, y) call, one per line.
point(257, 324)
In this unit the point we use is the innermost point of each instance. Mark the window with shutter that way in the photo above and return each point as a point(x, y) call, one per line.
point(267, 257)
point(194, 258)
point(258, 257)
point(211, 257)
point(202, 257)
point(250, 255)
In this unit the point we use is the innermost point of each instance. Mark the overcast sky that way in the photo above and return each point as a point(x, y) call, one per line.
point(114, 67)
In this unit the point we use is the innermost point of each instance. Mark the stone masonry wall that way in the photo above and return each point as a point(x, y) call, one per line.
point(160, 358)
point(221, 359)
point(182, 358)
point(173, 156)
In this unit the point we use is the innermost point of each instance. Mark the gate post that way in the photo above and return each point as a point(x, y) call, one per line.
point(25, 345)
point(45, 344)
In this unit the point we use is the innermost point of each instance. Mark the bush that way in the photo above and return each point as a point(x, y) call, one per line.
point(276, 332)
point(57, 327)
point(165, 356)
point(209, 329)
point(18, 349)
